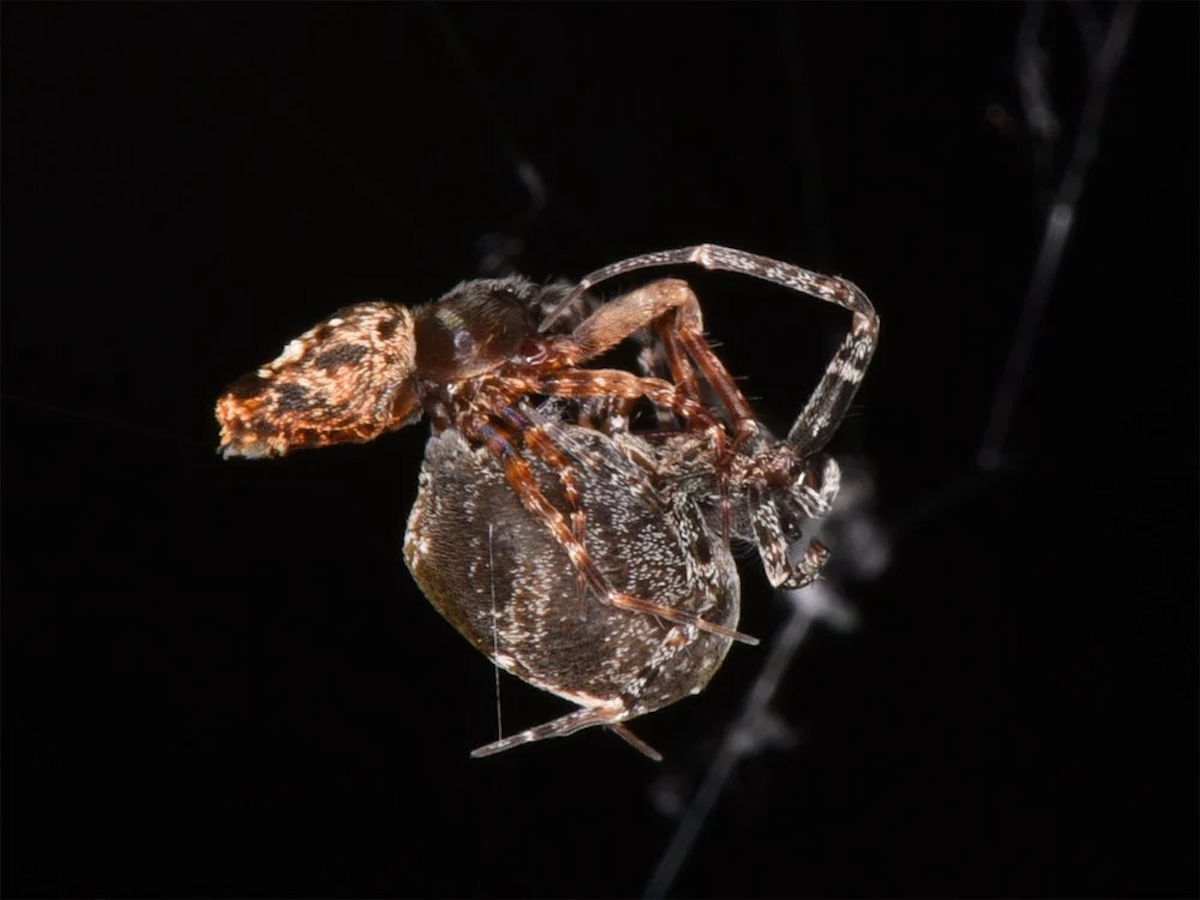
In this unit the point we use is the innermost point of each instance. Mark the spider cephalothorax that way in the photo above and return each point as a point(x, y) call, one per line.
point(374, 367)
point(473, 361)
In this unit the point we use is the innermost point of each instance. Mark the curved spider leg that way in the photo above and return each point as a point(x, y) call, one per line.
point(773, 546)
point(831, 398)
point(827, 405)
point(521, 480)
point(668, 305)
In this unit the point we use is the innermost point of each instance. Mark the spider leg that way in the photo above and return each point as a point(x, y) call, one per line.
point(614, 461)
point(674, 357)
point(831, 399)
point(835, 392)
point(669, 306)
point(772, 539)
point(652, 363)
point(773, 548)
point(615, 382)
point(543, 447)
point(521, 480)
point(634, 741)
point(609, 714)
point(619, 384)
point(671, 339)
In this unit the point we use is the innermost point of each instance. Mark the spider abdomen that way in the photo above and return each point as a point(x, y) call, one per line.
point(500, 577)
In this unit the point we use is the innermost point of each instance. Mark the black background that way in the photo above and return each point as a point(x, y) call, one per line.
point(220, 680)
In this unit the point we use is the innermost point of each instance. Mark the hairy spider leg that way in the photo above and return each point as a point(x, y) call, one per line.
point(521, 480)
point(832, 397)
point(582, 383)
point(672, 309)
point(669, 306)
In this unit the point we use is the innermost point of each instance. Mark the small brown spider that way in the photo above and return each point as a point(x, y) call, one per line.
point(471, 359)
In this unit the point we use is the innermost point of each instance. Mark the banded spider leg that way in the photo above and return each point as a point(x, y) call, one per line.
point(780, 484)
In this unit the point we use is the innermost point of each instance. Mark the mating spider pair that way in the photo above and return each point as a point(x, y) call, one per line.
point(586, 558)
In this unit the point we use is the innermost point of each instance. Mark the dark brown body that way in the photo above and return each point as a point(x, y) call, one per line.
point(500, 577)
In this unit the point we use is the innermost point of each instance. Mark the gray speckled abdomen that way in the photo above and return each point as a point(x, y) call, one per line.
point(498, 575)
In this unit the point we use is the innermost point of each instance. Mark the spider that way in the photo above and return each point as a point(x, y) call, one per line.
point(471, 360)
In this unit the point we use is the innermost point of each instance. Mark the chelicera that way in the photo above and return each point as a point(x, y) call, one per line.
point(472, 361)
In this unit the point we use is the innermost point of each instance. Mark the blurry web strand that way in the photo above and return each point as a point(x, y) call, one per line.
point(495, 635)
point(865, 555)
point(497, 249)
point(1042, 124)
point(755, 728)
point(863, 545)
